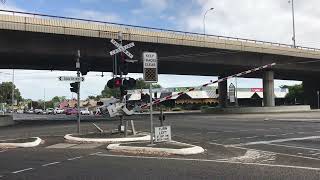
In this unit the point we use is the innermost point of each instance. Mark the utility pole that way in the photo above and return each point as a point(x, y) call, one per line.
point(78, 94)
point(44, 99)
point(12, 94)
point(293, 23)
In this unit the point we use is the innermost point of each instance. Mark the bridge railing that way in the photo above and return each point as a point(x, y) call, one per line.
point(204, 36)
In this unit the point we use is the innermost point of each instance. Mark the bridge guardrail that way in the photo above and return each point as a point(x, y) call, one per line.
point(204, 36)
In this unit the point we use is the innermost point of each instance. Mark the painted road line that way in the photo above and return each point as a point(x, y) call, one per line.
point(244, 130)
point(49, 164)
point(290, 133)
point(196, 133)
point(23, 170)
point(315, 154)
point(275, 128)
point(277, 141)
point(270, 135)
point(71, 159)
point(301, 132)
point(260, 129)
point(208, 160)
point(283, 134)
point(251, 137)
point(212, 132)
point(296, 147)
point(92, 154)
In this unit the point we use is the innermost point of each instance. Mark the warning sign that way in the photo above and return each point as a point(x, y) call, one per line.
point(162, 134)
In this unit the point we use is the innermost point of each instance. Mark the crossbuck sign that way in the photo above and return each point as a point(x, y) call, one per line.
point(121, 48)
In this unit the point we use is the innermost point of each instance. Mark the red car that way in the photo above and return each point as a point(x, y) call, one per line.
point(71, 111)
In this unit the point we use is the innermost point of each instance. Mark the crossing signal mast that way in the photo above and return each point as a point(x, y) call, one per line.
point(121, 66)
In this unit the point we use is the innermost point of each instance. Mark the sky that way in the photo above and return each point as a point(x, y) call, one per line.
point(267, 20)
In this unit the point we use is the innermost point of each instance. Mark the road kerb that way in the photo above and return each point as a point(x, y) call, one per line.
point(150, 150)
point(35, 143)
point(106, 140)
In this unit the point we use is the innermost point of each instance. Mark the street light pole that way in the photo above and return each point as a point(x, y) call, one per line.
point(293, 24)
point(204, 20)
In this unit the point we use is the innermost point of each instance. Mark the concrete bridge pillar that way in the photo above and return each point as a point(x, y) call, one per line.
point(268, 89)
point(223, 93)
point(310, 88)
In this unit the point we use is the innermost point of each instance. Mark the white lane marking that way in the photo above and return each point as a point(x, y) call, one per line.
point(300, 153)
point(315, 154)
point(260, 129)
point(95, 153)
point(305, 157)
point(296, 147)
point(301, 132)
point(276, 141)
point(228, 131)
point(270, 135)
point(208, 160)
point(196, 133)
point(23, 170)
point(283, 134)
point(70, 159)
point(275, 128)
point(251, 137)
point(244, 130)
point(49, 164)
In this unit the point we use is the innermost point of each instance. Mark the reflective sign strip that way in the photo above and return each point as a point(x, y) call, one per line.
point(210, 83)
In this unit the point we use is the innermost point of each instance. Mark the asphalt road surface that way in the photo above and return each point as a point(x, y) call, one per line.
point(268, 146)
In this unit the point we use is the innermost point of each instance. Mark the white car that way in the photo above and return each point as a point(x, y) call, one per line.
point(38, 111)
point(84, 112)
point(58, 111)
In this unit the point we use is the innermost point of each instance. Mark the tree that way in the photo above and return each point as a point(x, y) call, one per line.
point(295, 94)
point(108, 92)
point(6, 92)
point(141, 84)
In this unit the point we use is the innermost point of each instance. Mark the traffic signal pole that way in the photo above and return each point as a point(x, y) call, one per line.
point(78, 94)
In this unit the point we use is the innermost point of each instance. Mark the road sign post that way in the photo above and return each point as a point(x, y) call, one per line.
point(150, 74)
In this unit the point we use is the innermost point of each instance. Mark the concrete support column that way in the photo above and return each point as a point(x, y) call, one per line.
point(310, 88)
point(268, 89)
point(223, 93)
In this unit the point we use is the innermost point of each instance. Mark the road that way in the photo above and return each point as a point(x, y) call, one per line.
point(267, 146)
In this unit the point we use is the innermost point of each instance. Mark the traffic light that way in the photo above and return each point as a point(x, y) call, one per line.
point(84, 69)
point(129, 83)
point(114, 83)
point(74, 87)
point(123, 64)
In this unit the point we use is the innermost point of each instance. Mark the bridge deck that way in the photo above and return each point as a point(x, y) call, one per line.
point(78, 27)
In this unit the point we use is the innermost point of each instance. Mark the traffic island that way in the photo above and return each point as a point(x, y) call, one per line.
point(24, 143)
point(163, 149)
point(106, 137)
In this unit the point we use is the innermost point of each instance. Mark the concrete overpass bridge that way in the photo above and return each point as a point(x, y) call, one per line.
point(36, 41)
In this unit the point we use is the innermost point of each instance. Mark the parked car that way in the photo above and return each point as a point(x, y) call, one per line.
point(49, 111)
point(71, 111)
point(84, 111)
point(38, 111)
point(20, 111)
point(30, 111)
point(58, 111)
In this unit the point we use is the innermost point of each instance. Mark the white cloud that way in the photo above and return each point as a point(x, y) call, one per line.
point(155, 5)
point(268, 20)
point(93, 15)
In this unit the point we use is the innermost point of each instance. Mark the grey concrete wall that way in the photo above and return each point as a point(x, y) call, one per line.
point(257, 110)
point(6, 120)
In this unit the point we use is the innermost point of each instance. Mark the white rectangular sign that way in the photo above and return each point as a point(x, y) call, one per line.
point(71, 78)
point(150, 60)
point(162, 134)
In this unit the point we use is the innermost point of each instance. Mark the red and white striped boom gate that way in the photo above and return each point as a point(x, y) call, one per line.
point(157, 101)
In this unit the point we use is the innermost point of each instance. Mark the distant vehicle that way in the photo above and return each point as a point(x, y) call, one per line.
point(84, 111)
point(38, 111)
point(30, 111)
point(20, 111)
point(71, 111)
point(49, 111)
point(58, 111)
